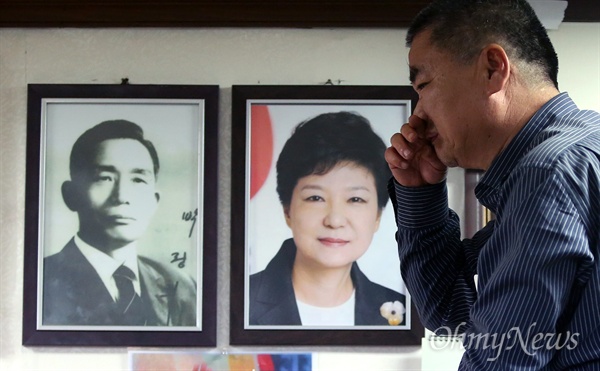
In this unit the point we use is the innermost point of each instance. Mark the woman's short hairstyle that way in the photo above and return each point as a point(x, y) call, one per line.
point(85, 147)
point(319, 144)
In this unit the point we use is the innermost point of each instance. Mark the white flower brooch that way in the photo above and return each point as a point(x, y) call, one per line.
point(393, 312)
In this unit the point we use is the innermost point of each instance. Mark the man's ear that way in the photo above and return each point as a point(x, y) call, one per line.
point(70, 195)
point(157, 196)
point(496, 64)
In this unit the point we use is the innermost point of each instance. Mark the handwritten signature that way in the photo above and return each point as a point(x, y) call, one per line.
point(181, 260)
point(190, 216)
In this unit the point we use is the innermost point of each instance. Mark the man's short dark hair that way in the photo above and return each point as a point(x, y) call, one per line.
point(319, 144)
point(86, 145)
point(464, 27)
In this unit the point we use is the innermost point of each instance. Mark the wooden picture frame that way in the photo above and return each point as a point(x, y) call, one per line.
point(86, 212)
point(263, 118)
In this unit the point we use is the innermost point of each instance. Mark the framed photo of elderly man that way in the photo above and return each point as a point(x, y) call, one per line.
point(120, 228)
point(313, 255)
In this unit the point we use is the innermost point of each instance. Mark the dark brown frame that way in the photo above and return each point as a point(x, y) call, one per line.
point(238, 13)
point(205, 334)
point(239, 334)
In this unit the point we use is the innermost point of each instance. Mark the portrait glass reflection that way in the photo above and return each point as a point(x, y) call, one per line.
point(121, 228)
point(320, 247)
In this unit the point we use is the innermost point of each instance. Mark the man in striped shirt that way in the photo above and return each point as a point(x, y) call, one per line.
point(486, 74)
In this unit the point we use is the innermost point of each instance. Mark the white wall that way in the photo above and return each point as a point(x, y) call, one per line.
point(206, 56)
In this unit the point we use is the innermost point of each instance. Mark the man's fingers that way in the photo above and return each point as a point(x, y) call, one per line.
point(394, 159)
point(402, 145)
point(412, 158)
point(432, 169)
point(409, 133)
point(418, 126)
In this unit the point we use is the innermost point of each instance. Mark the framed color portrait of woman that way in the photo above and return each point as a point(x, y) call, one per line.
point(314, 257)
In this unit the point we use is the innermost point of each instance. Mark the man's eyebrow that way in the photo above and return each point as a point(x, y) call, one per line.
point(113, 169)
point(142, 171)
point(105, 168)
point(414, 72)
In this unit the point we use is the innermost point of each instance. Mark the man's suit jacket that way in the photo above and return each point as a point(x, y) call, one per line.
point(272, 299)
point(74, 294)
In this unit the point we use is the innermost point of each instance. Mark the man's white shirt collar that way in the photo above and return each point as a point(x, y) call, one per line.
point(105, 265)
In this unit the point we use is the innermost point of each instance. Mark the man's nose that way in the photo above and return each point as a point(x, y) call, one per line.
point(419, 111)
point(426, 126)
point(121, 193)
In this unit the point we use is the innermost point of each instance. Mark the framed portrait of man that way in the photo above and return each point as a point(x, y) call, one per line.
point(120, 215)
point(314, 257)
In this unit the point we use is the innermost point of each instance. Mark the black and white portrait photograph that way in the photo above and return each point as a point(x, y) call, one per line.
point(319, 247)
point(121, 219)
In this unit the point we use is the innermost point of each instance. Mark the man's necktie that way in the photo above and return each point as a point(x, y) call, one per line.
point(129, 303)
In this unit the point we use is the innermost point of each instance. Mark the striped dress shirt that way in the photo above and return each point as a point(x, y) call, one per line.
point(537, 300)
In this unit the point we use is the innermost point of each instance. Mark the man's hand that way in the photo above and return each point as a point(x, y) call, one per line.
point(412, 158)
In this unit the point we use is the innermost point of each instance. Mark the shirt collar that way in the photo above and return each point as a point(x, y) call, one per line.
point(522, 143)
point(105, 265)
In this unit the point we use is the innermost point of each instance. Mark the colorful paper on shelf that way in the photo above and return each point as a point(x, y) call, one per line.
point(206, 361)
